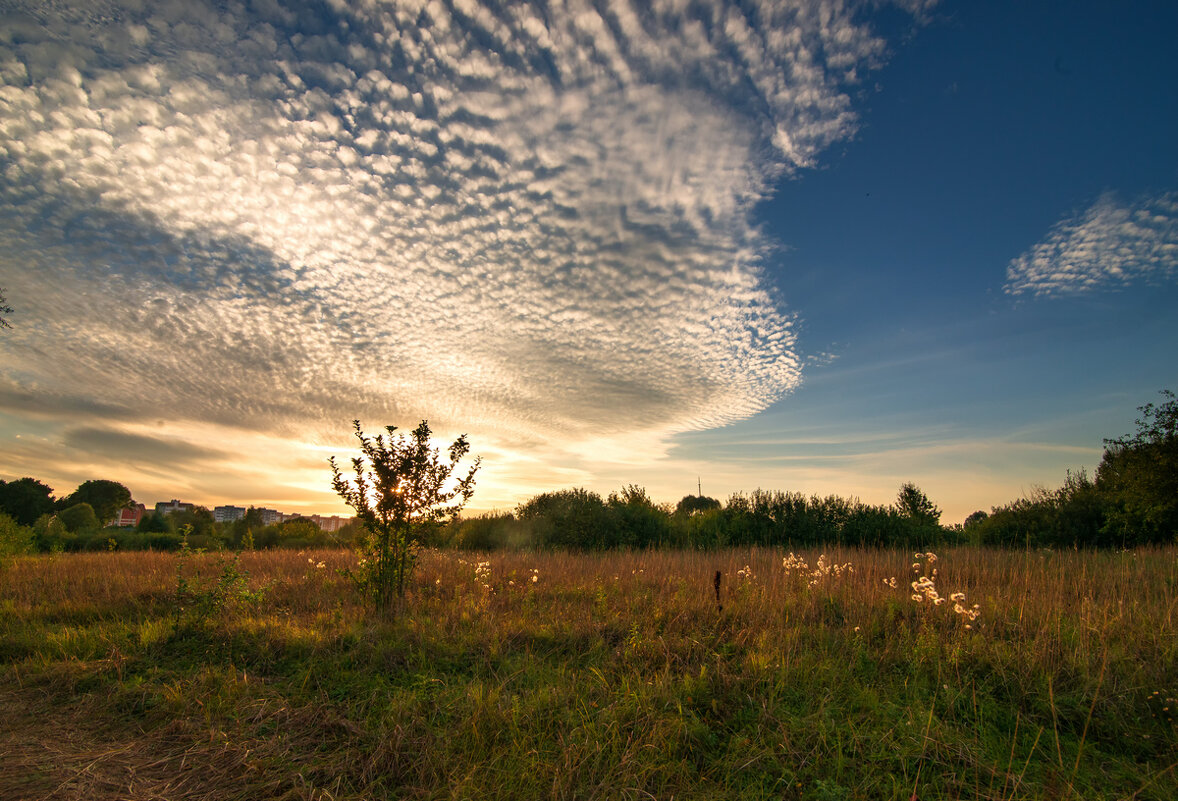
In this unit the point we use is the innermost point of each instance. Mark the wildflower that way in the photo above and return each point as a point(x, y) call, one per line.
point(957, 596)
point(535, 578)
point(793, 562)
point(321, 565)
point(917, 598)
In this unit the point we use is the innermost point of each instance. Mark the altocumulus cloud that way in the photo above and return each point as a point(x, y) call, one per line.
point(520, 218)
point(1111, 244)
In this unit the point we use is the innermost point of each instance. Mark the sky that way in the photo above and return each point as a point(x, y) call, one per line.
point(825, 247)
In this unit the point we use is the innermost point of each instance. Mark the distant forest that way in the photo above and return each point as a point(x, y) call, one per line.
point(1132, 500)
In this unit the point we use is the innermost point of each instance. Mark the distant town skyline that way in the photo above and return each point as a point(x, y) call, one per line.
point(131, 514)
point(824, 247)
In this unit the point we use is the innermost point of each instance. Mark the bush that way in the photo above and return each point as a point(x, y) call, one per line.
point(1138, 478)
point(572, 518)
point(488, 532)
point(50, 534)
point(639, 523)
point(154, 522)
point(1072, 516)
point(79, 518)
point(162, 541)
point(15, 539)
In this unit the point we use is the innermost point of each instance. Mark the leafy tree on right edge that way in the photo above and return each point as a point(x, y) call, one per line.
point(1139, 477)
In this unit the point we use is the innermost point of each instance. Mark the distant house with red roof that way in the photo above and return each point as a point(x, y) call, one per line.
point(129, 516)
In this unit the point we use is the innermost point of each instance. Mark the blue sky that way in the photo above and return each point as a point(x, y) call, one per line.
point(829, 247)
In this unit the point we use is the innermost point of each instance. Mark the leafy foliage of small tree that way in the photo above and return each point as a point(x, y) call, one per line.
point(402, 484)
point(26, 499)
point(571, 518)
point(79, 518)
point(15, 539)
point(4, 309)
point(641, 523)
point(1071, 516)
point(1139, 477)
point(915, 505)
point(487, 532)
point(49, 534)
point(694, 504)
point(105, 497)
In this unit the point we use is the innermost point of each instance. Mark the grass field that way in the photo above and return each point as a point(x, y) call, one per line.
point(605, 677)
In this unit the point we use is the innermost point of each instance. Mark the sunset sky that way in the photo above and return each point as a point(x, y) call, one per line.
point(826, 246)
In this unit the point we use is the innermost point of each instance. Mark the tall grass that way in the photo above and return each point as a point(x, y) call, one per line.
point(558, 675)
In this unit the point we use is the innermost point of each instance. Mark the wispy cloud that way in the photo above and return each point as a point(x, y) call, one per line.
point(138, 447)
point(529, 222)
point(1111, 244)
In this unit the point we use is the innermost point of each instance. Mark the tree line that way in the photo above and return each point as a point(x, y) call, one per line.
point(32, 519)
point(1132, 500)
point(583, 520)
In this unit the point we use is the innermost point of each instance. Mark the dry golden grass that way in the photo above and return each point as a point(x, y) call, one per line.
point(614, 675)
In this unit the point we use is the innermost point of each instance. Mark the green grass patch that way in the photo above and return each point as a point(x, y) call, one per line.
point(609, 677)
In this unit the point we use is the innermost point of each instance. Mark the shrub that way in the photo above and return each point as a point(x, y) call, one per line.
point(79, 518)
point(572, 518)
point(15, 539)
point(402, 484)
point(487, 532)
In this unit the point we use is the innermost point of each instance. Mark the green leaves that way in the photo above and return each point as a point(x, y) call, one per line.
point(402, 484)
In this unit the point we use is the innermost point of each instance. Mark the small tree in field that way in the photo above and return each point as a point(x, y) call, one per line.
point(401, 485)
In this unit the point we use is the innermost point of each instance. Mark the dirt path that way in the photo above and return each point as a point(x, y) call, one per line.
point(63, 748)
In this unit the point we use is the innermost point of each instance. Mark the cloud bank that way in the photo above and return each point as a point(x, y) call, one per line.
point(531, 220)
point(1110, 245)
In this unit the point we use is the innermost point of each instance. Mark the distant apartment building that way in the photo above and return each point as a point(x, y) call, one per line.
point(227, 514)
point(172, 506)
point(330, 524)
point(129, 516)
